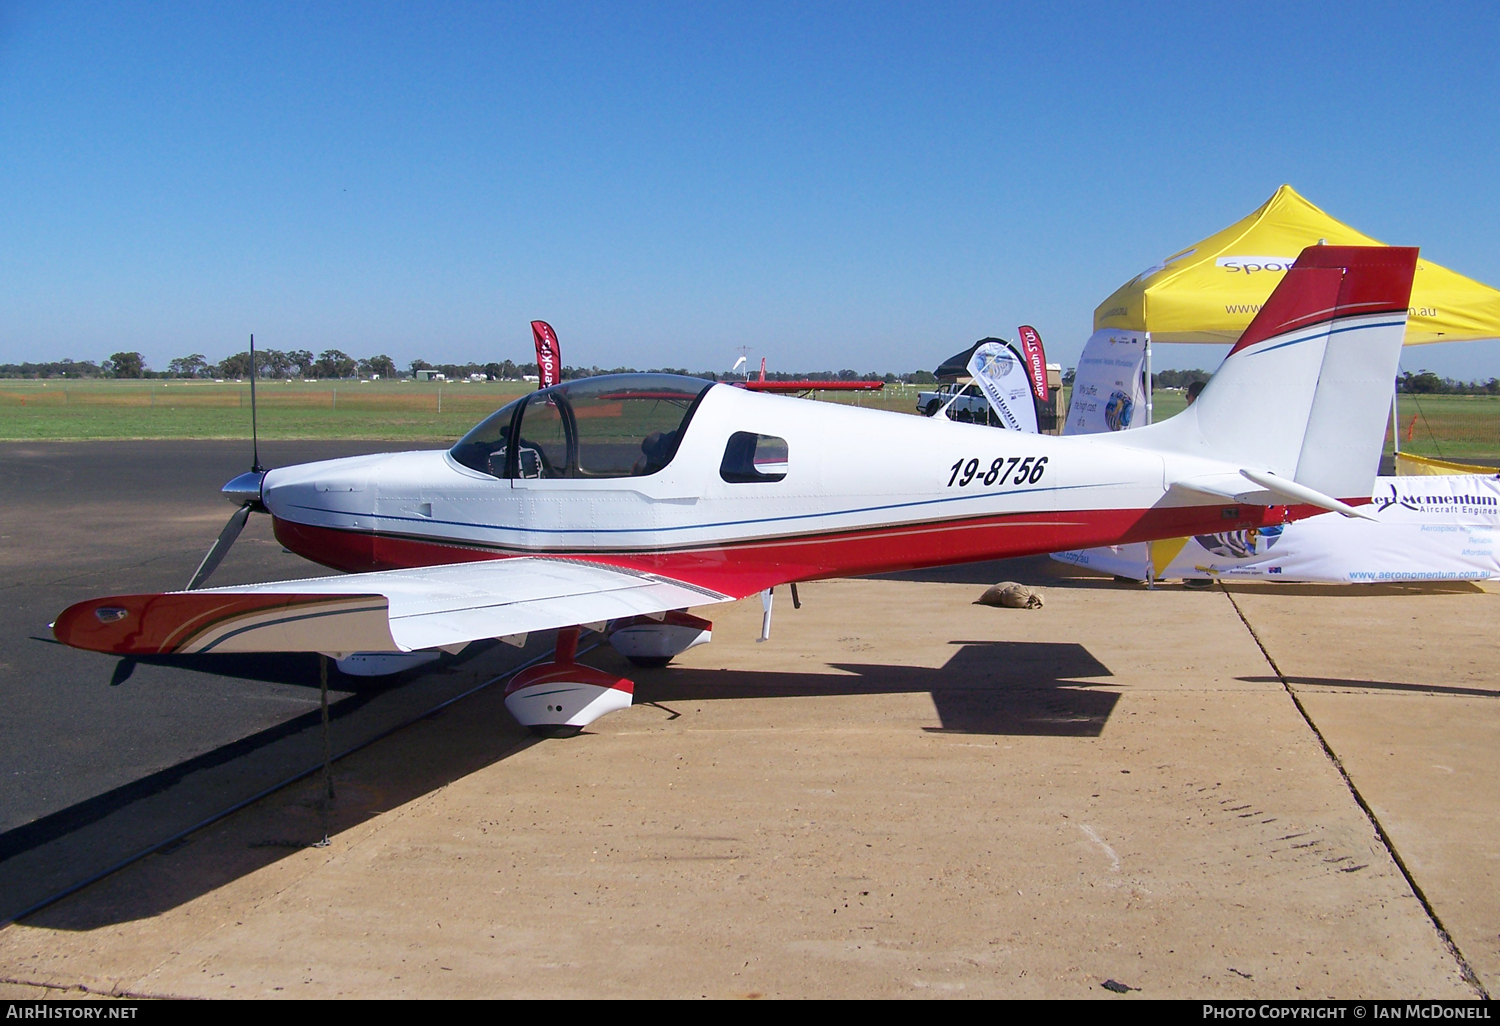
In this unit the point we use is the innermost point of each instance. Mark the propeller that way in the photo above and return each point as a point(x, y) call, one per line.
point(244, 491)
point(221, 547)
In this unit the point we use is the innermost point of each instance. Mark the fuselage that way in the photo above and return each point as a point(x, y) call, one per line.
point(760, 488)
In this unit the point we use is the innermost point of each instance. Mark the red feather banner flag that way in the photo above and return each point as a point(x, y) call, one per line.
point(1036, 360)
point(548, 354)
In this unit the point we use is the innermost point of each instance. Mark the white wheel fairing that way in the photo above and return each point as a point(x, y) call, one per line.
point(658, 641)
point(644, 637)
point(565, 695)
point(381, 664)
point(565, 703)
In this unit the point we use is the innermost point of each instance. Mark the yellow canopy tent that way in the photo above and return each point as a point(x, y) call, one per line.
point(1210, 291)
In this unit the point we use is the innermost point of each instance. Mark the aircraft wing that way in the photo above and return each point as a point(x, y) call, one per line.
point(387, 611)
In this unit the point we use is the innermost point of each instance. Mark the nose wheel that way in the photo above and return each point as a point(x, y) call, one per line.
point(560, 698)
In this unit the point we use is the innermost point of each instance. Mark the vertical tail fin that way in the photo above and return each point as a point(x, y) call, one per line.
point(1306, 390)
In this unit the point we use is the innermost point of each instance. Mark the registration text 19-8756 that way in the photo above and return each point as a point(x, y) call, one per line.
point(1015, 470)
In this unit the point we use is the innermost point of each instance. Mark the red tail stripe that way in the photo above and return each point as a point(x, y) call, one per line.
point(1335, 281)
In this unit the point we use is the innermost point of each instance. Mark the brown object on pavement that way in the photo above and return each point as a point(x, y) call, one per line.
point(1012, 596)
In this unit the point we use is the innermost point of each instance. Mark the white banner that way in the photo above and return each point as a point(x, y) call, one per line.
point(1107, 392)
point(1003, 379)
point(1429, 529)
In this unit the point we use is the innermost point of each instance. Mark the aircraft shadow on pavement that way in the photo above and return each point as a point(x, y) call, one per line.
point(299, 669)
point(242, 767)
point(293, 818)
point(1034, 571)
point(1044, 572)
point(987, 687)
point(1001, 688)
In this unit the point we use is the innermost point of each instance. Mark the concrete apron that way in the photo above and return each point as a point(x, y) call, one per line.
point(1401, 682)
point(901, 794)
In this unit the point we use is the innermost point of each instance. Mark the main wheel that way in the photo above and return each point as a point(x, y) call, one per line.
point(554, 730)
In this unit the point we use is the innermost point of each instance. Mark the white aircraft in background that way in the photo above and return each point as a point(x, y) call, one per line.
point(626, 499)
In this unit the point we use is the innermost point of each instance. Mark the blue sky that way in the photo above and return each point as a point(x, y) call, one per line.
point(833, 185)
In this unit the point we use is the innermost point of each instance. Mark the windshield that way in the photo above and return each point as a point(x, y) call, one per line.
point(618, 425)
point(484, 447)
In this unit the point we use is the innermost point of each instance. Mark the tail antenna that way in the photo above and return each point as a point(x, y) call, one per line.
point(255, 467)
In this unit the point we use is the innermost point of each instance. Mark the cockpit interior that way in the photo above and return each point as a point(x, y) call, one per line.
point(617, 425)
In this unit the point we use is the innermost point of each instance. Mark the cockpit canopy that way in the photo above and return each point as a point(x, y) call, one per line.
point(617, 425)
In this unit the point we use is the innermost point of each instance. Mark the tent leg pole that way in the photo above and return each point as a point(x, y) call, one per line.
point(1149, 410)
point(1395, 423)
point(1150, 562)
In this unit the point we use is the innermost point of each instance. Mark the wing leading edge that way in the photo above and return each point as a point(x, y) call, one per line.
point(386, 611)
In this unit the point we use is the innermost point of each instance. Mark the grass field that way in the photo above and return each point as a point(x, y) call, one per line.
point(1452, 427)
point(32, 410)
point(1445, 426)
point(399, 411)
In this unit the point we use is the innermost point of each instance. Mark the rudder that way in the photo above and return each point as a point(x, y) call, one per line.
point(1306, 389)
point(1346, 428)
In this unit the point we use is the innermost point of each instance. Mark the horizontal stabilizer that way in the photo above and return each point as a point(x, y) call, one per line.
point(1302, 493)
point(386, 611)
point(1272, 490)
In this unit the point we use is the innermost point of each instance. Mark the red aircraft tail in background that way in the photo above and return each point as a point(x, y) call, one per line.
point(799, 387)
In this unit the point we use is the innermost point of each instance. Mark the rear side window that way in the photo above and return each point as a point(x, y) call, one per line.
point(751, 457)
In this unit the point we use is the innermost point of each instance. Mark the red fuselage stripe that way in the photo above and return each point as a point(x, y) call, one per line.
point(743, 567)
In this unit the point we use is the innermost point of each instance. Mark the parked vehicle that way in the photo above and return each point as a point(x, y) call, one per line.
point(970, 406)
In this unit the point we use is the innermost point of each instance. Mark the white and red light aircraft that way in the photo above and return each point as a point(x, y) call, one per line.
point(625, 499)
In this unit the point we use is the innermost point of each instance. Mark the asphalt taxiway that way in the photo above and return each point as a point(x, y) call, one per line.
point(1259, 792)
point(104, 757)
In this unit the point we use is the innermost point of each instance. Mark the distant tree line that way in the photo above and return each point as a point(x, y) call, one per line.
point(276, 364)
point(57, 369)
point(1178, 378)
point(334, 363)
point(1424, 382)
point(504, 370)
point(269, 363)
